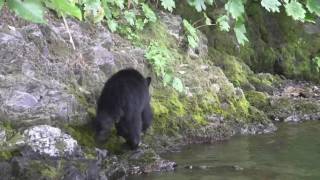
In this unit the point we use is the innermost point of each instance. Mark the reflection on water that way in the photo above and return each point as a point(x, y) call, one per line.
point(293, 152)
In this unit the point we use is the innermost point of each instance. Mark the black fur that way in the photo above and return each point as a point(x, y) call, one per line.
point(125, 101)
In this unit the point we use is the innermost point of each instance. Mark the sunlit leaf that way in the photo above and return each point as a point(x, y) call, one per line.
point(93, 11)
point(107, 10)
point(31, 10)
point(192, 42)
point(295, 10)
point(150, 15)
point(271, 5)
point(223, 23)
point(139, 24)
point(1, 4)
point(118, 3)
point(240, 31)
point(177, 84)
point(192, 35)
point(207, 19)
point(112, 24)
point(130, 17)
point(64, 7)
point(235, 8)
point(167, 78)
point(314, 6)
point(168, 4)
point(200, 5)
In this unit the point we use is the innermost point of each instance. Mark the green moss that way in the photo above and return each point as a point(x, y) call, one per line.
point(37, 169)
point(257, 115)
point(307, 107)
point(242, 106)
point(8, 154)
point(167, 109)
point(148, 156)
point(264, 82)
point(81, 98)
point(84, 134)
point(92, 112)
point(7, 126)
point(50, 172)
point(188, 113)
point(236, 71)
point(199, 118)
point(157, 32)
point(174, 113)
point(238, 109)
point(257, 99)
point(298, 63)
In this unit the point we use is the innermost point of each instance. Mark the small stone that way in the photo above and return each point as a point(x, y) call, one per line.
point(2, 135)
point(101, 153)
point(238, 168)
point(293, 118)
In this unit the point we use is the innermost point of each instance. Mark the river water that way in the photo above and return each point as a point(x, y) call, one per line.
point(293, 152)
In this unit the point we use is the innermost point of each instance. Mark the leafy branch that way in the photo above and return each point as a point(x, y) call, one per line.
point(132, 15)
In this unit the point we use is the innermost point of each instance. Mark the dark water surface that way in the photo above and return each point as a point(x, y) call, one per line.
point(293, 152)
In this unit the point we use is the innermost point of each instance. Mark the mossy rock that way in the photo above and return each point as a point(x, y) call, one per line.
point(236, 71)
point(283, 107)
point(257, 99)
point(256, 115)
point(265, 82)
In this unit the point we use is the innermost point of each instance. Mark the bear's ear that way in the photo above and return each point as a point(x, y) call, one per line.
point(148, 79)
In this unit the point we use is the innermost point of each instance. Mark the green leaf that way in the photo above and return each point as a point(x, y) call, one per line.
point(93, 11)
point(223, 22)
point(192, 35)
point(112, 24)
point(130, 17)
point(207, 19)
point(168, 4)
point(192, 42)
point(139, 24)
point(150, 15)
point(64, 7)
point(107, 10)
point(167, 78)
point(240, 31)
point(210, 2)
point(30, 10)
point(314, 6)
point(177, 84)
point(1, 4)
point(118, 3)
point(295, 10)
point(190, 29)
point(271, 5)
point(200, 5)
point(311, 18)
point(235, 8)
point(316, 61)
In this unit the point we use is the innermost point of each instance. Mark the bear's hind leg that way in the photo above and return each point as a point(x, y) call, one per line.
point(103, 125)
point(146, 118)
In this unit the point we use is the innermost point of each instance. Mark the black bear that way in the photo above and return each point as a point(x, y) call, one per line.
point(125, 102)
